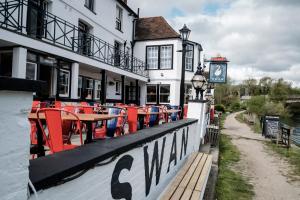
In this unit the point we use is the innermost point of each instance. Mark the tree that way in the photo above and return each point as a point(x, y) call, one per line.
point(265, 85)
point(251, 87)
point(280, 90)
point(256, 104)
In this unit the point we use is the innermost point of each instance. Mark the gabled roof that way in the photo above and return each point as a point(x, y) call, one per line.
point(153, 28)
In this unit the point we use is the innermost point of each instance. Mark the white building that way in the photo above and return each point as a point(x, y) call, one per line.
point(94, 50)
point(82, 48)
point(158, 44)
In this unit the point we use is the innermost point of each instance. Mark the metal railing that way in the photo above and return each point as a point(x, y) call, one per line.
point(55, 30)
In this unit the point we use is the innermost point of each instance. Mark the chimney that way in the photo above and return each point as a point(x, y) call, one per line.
point(125, 1)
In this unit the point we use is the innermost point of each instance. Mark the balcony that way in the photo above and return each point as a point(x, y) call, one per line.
point(49, 28)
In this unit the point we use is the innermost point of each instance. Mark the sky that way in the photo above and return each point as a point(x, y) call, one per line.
point(259, 37)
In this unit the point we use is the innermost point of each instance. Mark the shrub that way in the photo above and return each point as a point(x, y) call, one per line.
point(220, 108)
point(235, 106)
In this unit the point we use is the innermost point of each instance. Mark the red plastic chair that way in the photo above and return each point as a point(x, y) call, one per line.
point(132, 119)
point(185, 111)
point(55, 139)
point(36, 105)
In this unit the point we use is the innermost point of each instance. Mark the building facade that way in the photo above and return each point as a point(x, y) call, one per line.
point(94, 50)
point(159, 45)
point(82, 49)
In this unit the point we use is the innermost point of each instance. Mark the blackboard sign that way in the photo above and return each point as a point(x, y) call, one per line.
point(271, 126)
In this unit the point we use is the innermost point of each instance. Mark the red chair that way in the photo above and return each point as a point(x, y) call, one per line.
point(132, 119)
point(55, 139)
point(185, 111)
point(36, 105)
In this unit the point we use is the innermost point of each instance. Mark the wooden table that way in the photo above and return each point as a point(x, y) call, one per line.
point(82, 117)
point(88, 119)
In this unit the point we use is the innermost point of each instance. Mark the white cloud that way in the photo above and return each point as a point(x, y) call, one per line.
point(259, 35)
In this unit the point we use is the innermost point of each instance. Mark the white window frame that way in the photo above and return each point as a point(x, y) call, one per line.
point(118, 87)
point(68, 83)
point(89, 90)
point(166, 57)
point(152, 57)
point(160, 93)
point(153, 85)
point(89, 4)
point(189, 57)
point(119, 18)
point(35, 70)
point(97, 90)
point(159, 57)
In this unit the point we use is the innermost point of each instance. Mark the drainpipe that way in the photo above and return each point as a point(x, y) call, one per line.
point(133, 36)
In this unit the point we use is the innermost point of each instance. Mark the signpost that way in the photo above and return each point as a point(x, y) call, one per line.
point(271, 126)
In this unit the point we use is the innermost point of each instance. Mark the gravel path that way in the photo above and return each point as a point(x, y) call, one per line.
point(267, 172)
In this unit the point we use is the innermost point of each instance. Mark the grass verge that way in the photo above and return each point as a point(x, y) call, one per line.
point(292, 155)
point(255, 127)
point(231, 184)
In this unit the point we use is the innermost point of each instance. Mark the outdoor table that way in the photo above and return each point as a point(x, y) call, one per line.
point(142, 114)
point(171, 111)
point(88, 119)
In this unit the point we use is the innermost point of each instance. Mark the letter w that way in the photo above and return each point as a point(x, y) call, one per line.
point(155, 161)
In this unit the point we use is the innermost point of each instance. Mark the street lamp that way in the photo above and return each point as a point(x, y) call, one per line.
point(185, 33)
point(199, 83)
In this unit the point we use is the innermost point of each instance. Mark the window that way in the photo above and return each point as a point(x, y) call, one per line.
point(64, 82)
point(89, 88)
point(84, 38)
point(119, 17)
point(189, 57)
point(151, 94)
point(131, 93)
point(159, 57)
point(89, 4)
point(165, 57)
point(164, 93)
point(117, 51)
point(79, 92)
point(31, 70)
point(118, 87)
point(97, 90)
point(152, 57)
point(188, 93)
point(6, 63)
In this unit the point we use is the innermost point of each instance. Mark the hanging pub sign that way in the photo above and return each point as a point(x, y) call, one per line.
point(218, 70)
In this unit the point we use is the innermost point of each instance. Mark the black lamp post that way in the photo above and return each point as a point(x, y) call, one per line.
point(199, 83)
point(185, 33)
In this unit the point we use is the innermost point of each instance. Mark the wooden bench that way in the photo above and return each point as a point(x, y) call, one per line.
point(190, 181)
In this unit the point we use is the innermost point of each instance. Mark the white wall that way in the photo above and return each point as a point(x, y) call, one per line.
point(96, 183)
point(102, 21)
point(172, 76)
point(14, 144)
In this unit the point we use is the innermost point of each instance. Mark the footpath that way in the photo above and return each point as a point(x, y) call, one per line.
point(266, 171)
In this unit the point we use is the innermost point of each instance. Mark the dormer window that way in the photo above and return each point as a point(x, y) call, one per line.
point(119, 17)
point(89, 4)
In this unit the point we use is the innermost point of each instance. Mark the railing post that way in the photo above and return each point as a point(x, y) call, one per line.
point(54, 29)
point(5, 12)
point(73, 38)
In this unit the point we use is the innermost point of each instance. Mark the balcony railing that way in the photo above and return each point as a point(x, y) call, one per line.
point(49, 28)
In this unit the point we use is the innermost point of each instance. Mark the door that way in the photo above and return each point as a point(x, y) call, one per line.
point(36, 16)
point(45, 74)
point(83, 39)
point(117, 53)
